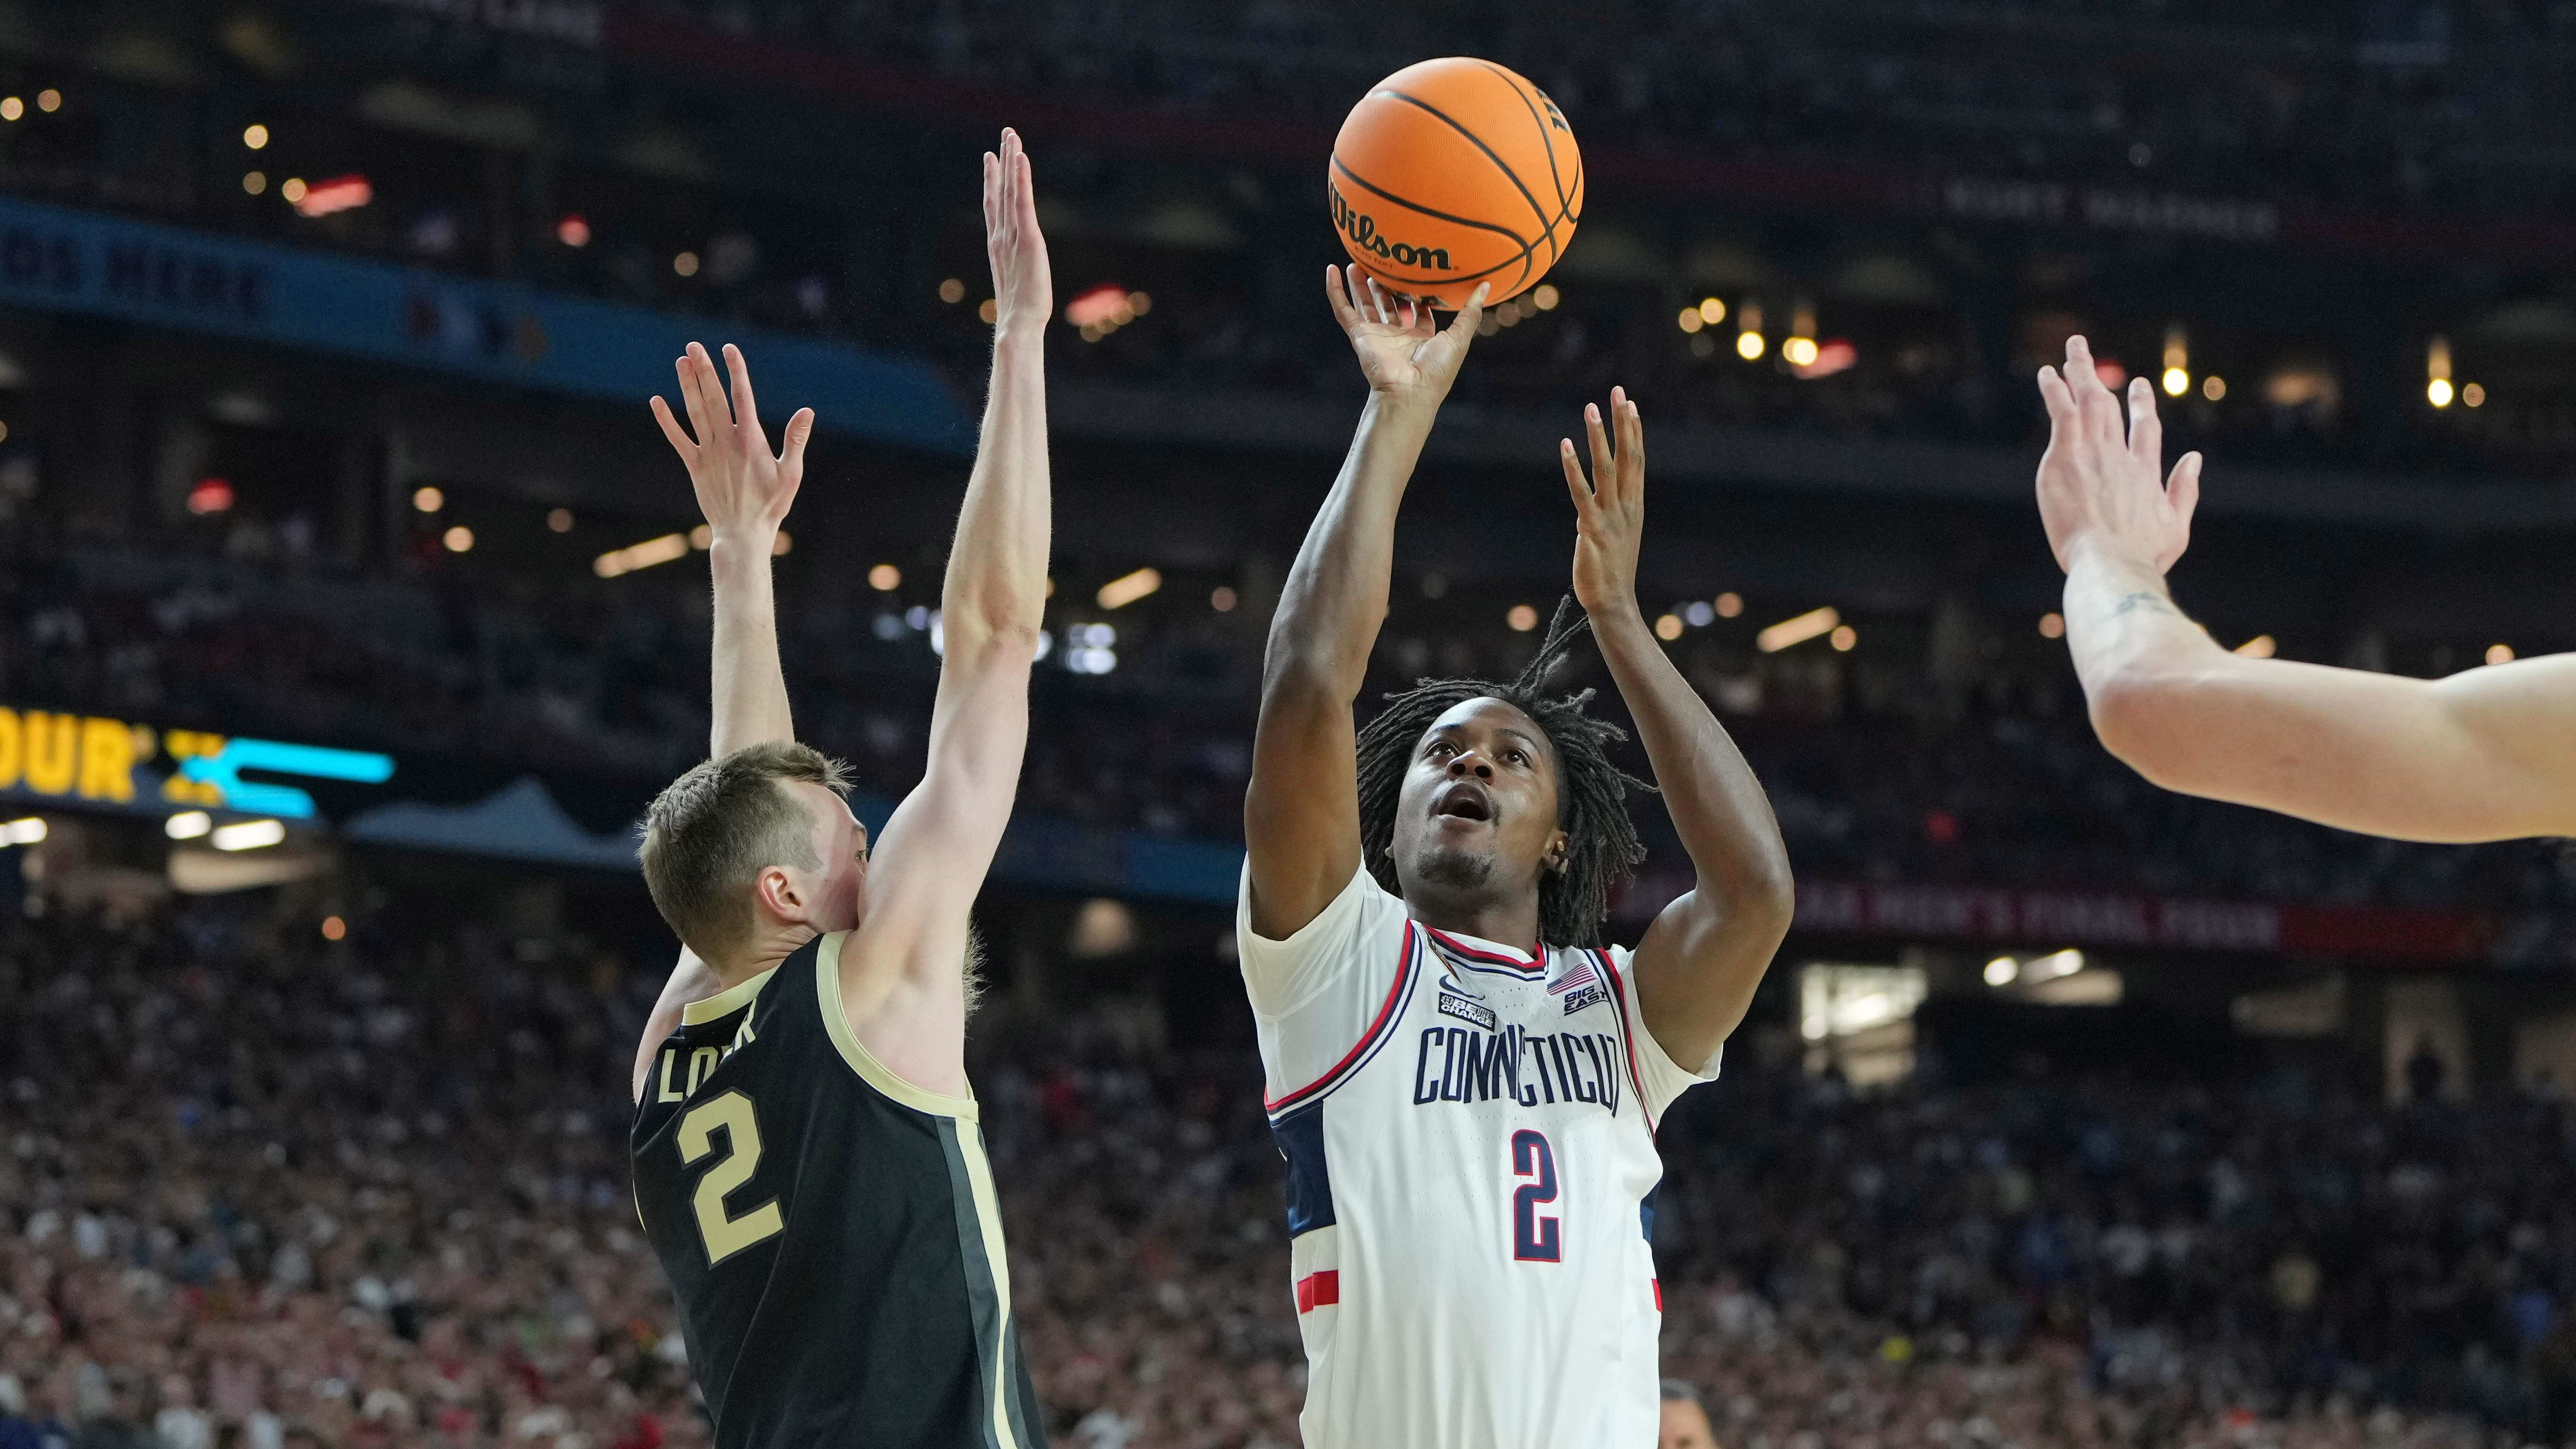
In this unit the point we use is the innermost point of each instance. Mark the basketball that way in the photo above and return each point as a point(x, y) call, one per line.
point(1453, 172)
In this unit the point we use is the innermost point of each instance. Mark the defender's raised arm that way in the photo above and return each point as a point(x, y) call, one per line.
point(2489, 754)
point(1706, 952)
point(904, 978)
point(745, 493)
point(1301, 814)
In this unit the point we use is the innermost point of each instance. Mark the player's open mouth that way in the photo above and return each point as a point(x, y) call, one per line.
point(1464, 800)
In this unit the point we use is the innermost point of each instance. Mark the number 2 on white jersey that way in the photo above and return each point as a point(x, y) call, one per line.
point(1534, 1234)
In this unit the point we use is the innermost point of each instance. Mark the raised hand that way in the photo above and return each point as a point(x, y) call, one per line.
point(741, 488)
point(1610, 509)
point(1023, 284)
point(1401, 351)
point(2098, 490)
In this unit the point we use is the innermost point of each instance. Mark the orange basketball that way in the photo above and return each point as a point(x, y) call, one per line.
point(1453, 172)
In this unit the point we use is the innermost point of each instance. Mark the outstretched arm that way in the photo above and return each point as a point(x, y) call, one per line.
point(903, 979)
point(745, 494)
point(1705, 953)
point(1301, 814)
point(2485, 755)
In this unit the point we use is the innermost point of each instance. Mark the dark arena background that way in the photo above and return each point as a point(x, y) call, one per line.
point(349, 615)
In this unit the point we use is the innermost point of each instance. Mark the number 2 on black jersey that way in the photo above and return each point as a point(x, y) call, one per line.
point(724, 1234)
point(1534, 1236)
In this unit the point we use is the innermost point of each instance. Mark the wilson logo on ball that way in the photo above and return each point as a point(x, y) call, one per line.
point(1360, 229)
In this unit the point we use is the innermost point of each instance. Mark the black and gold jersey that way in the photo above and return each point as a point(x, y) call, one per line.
point(831, 1230)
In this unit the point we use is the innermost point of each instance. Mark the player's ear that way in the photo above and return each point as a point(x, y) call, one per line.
point(1559, 847)
point(778, 893)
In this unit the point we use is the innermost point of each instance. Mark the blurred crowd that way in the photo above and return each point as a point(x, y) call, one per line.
point(1811, 149)
point(2404, 101)
point(1931, 755)
point(257, 1190)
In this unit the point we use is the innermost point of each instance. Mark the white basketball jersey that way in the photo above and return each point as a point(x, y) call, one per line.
point(1470, 1136)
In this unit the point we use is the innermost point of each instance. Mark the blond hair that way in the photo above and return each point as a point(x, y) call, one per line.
point(712, 831)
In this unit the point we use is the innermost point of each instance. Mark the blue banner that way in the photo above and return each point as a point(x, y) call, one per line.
point(62, 260)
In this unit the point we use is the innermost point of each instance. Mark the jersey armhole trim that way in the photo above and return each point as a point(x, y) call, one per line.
point(1628, 1030)
point(836, 1021)
point(724, 1003)
point(1406, 959)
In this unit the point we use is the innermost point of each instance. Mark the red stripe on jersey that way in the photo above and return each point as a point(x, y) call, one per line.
point(1537, 964)
point(1627, 1037)
point(1385, 1014)
point(1659, 1293)
point(1323, 1289)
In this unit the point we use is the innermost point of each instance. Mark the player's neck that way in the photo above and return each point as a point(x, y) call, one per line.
point(761, 955)
point(1505, 922)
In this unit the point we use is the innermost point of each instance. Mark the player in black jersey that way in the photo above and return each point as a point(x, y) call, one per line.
point(806, 1157)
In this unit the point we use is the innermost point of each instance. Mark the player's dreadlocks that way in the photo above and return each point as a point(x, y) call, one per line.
point(1601, 846)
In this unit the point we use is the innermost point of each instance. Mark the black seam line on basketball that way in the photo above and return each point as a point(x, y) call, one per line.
point(1555, 177)
point(1522, 256)
point(1537, 212)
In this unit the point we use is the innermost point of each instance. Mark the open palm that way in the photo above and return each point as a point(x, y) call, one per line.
point(1401, 350)
point(1023, 282)
point(742, 488)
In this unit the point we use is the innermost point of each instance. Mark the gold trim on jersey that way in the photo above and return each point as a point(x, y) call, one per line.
point(997, 1260)
point(727, 1001)
point(836, 1020)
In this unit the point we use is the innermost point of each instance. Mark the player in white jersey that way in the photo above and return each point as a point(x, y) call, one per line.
point(1464, 1083)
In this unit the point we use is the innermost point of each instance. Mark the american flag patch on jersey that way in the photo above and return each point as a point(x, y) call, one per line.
point(1581, 975)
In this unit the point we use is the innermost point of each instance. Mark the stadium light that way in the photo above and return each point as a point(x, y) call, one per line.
point(2499, 654)
point(1825, 359)
point(27, 831)
point(2002, 971)
point(1126, 589)
point(2177, 374)
point(2213, 387)
point(1799, 351)
point(255, 136)
point(248, 835)
point(2050, 967)
point(1730, 605)
point(340, 193)
point(1691, 320)
point(2437, 371)
point(188, 825)
point(2261, 646)
point(641, 555)
point(885, 578)
point(11, 108)
point(1522, 618)
point(1668, 627)
point(1813, 624)
point(1546, 297)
